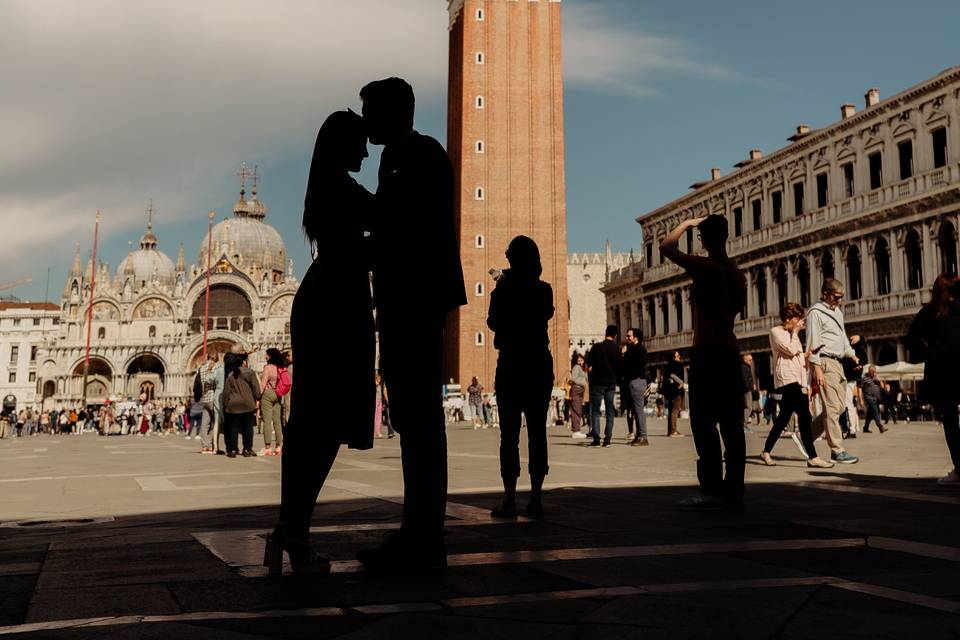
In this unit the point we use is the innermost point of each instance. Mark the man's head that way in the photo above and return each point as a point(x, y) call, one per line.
point(748, 359)
point(612, 332)
point(388, 107)
point(832, 292)
point(872, 371)
point(676, 356)
point(634, 336)
point(713, 233)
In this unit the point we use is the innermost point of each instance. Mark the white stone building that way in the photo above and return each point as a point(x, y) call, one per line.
point(23, 327)
point(872, 199)
point(147, 326)
point(586, 274)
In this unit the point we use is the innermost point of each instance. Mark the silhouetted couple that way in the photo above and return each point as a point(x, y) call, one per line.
point(413, 252)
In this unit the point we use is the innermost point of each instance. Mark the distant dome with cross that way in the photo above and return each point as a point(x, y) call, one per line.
point(245, 239)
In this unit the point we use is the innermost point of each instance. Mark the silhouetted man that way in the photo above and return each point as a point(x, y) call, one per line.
point(716, 384)
point(605, 362)
point(417, 279)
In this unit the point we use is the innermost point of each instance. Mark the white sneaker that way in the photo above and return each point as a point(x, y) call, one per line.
point(796, 440)
point(579, 435)
point(949, 480)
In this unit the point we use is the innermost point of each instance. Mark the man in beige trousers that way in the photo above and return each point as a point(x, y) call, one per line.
point(827, 339)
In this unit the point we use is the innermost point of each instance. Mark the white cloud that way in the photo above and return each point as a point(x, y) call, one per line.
point(604, 53)
point(107, 102)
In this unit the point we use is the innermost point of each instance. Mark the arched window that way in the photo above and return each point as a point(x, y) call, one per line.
point(152, 331)
point(652, 317)
point(479, 57)
point(914, 255)
point(478, 194)
point(478, 289)
point(781, 277)
point(947, 242)
point(479, 102)
point(803, 275)
point(101, 333)
point(479, 15)
point(479, 339)
point(854, 285)
point(665, 311)
point(761, 292)
point(478, 241)
point(479, 146)
point(678, 308)
point(881, 261)
point(826, 265)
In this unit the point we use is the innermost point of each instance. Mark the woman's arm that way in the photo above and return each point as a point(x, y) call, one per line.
point(780, 343)
point(670, 246)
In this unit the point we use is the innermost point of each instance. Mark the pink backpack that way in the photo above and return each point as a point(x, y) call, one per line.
point(283, 382)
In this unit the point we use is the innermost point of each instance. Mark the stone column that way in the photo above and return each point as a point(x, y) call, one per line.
point(751, 295)
point(793, 291)
point(771, 289)
point(867, 269)
point(897, 267)
point(901, 350)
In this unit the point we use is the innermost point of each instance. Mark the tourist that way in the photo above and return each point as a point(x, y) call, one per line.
point(211, 425)
point(889, 406)
point(828, 345)
point(270, 401)
point(604, 362)
point(934, 337)
point(475, 396)
point(418, 279)
point(716, 383)
point(378, 407)
point(746, 370)
point(337, 212)
point(578, 386)
point(790, 381)
point(673, 394)
point(871, 391)
point(240, 392)
point(4, 424)
point(521, 305)
point(635, 379)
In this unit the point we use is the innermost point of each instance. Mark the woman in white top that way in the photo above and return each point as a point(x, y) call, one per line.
point(790, 383)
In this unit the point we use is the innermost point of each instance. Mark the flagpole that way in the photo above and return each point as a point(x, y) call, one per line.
point(93, 283)
point(206, 295)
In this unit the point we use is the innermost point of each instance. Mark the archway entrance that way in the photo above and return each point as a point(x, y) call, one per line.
point(99, 377)
point(145, 375)
point(219, 346)
point(229, 309)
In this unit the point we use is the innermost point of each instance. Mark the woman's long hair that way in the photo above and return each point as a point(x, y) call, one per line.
point(231, 364)
point(340, 132)
point(943, 292)
point(276, 358)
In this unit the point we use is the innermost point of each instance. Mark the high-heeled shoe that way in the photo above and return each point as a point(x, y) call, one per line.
point(303, 559)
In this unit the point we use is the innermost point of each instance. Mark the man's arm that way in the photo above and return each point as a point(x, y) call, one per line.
point(670, 246)
point(814, 336)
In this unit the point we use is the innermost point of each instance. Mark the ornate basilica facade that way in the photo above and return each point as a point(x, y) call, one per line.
point(873, 200)
point(147, 322)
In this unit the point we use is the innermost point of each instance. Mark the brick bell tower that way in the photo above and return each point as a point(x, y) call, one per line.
point(505, 140)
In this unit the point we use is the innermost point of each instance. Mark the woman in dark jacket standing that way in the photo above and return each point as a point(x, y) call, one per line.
point(337, 211)
point(935, 337)
point(241, 390)
point(520, 307)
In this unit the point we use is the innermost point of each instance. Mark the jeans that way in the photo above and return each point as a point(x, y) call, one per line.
point(237, 424)
point(598, 393)
point(532, 403)
point(873, 413)
point(638, 387)
point(196, 423)
point(208, 426)
point(576, 407)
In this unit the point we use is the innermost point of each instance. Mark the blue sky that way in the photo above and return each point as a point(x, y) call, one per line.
point(166, 101)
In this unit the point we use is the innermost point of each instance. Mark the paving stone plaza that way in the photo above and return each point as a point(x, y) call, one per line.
point(167, 543)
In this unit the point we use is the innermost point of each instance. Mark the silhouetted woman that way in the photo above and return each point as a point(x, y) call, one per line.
point(934, 336)
point(520, 307)
point(333, 300)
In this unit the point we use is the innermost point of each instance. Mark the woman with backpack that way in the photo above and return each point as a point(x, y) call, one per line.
point(274, 381)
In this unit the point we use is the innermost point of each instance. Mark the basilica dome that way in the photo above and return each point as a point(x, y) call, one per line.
point(246, 239)
point(147, 263)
